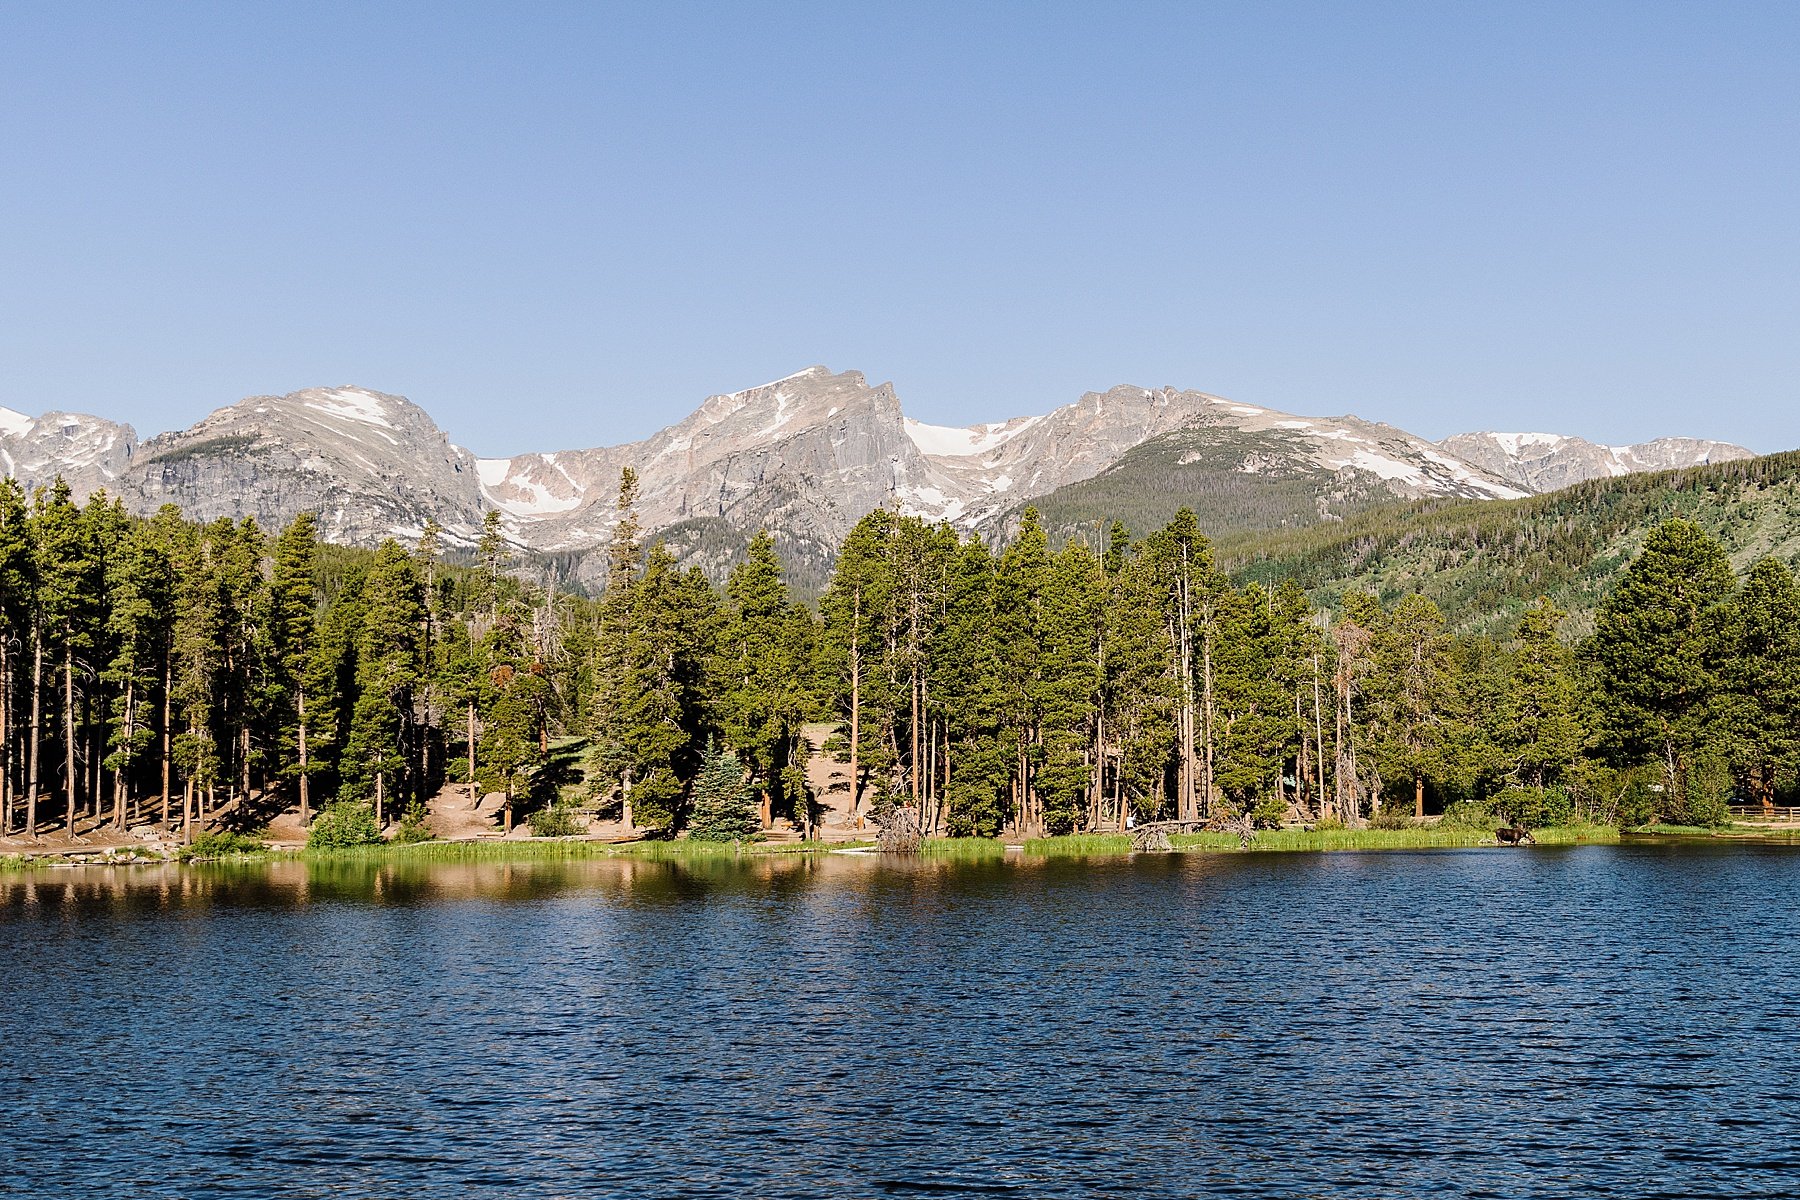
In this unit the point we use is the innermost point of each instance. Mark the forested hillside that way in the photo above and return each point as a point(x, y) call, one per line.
point(1482, 562)
point(206, 675)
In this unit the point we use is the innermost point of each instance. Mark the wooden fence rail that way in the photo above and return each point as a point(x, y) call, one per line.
point(1756, 812)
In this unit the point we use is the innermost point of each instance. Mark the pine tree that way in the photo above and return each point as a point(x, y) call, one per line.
point(67, 577)
point(142, 588)
point(1539, 730)
point(1660, 640)
point(389, 673)
point(16, 592)
point(724, 804)
point(856, 610)
point(293, 649)
point(1763, 681)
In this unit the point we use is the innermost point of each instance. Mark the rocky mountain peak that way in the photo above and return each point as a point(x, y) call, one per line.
point(1544, 462)
point(806, 456)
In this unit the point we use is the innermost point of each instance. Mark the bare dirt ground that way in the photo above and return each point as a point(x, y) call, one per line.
point(454, 814)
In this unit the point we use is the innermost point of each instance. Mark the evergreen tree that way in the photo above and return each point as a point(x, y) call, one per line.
point(389, 673)
point(16, 610)
point(1763, 682)
point(724, 804)
point(1660, 640)
point(1539, 730)
point(293, 652)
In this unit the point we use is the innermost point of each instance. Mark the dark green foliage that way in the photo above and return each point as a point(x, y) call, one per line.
point(220, 844)
point(1046, 686)
point(342, 824)
point(723, 802)
point(555, 821)
point(413, 827)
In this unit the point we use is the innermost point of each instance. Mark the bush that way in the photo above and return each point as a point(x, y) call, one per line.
point(412, 826)
point(1705, 799)
point(219, 844)
point(556, 821)
point(1392, 816)
point(1327, 825)
point(1469, 814)
point(343, 824)
point(1268, 813)
point(1534, 808)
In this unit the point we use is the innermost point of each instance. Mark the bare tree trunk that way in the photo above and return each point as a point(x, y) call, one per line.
point(1208, 720)
point(37, 709)
point(1418, 797)
point(380, 819)
point(187, 813)
point(124, 771)
point(305, 780)
point(71, 779)
point(855, 704)
point(6, 756)
point(474, 785)
point(167, 730)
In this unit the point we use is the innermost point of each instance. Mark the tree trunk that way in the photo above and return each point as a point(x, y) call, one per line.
point(917, 772)
point(474, 785)
point(6, 757)
point(37, 709)
point(167, 731)
point(1207, 717)
point(380, 819)
point(187, 813)
point(1418, 797)
point(855, 707)
point(304, 781)
point(124, 771)
point(69, 736)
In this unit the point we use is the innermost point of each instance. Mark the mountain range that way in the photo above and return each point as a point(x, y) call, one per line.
point(805, 456)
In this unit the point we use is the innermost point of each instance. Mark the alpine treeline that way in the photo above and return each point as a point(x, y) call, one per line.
point(159, 670)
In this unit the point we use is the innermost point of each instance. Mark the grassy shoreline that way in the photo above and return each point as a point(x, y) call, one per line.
point(1074, 846)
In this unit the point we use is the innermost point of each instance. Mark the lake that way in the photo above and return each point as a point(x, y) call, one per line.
point(1616, 1020)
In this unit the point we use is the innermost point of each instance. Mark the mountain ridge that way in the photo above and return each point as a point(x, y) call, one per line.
point(806, 455)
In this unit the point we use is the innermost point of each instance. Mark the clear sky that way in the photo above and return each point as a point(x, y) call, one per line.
point(560, 226)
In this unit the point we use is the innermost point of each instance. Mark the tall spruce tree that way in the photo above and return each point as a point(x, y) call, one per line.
point(1660, 643)
point(1762, 679)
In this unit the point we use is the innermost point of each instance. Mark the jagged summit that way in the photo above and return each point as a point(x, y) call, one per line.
point(1544, 462)
point(805, 455)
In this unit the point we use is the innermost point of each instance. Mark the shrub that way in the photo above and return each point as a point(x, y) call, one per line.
point(1268, 813)
point(1469, 814)
point(412, 826)
point(1327, 825)
point(1392, 816)
point(345, 823)
point(220, 844)
point(556, 821)
point(1534, 807)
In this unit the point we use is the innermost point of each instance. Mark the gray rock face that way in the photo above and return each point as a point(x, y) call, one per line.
point(1544, 462)
point(370, 465)
point(805, 456)
point(89, 452)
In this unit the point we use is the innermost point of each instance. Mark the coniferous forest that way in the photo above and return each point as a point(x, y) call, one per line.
point(156, 670)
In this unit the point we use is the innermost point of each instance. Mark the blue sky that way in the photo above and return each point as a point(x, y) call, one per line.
point(562, 226)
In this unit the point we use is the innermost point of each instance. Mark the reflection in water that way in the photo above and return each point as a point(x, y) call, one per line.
point(1466, 1022)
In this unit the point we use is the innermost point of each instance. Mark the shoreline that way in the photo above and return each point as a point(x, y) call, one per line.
point(1112, 845)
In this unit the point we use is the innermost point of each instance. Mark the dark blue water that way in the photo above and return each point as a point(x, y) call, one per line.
point(1605, 1021)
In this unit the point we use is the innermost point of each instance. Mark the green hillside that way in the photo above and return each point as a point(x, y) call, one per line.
point(1233, 480)
point(1482, 560)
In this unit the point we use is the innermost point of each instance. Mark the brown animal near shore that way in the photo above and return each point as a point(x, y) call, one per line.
point(1514, 835)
